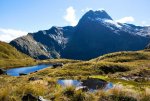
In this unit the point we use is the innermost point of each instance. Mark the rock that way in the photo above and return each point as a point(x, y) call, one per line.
point(29, 97)
point(125, 78)
point(34, 78)
point(40, 98)
point(57, 65)
point(2, 71)
point(83, 88)
point(21, 74)
point(44, 44)
point(140, 79)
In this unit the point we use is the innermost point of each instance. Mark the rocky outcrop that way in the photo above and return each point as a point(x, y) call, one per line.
point(31, 47)
point(29, 97)
point(57, 65)
point(2, 71)
point(34, 79)
point(44, 44)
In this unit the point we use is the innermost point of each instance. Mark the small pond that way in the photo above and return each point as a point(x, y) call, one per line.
point(91, 84)
point(26, 70)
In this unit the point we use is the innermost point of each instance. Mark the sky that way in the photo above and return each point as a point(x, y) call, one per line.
point(18, 17)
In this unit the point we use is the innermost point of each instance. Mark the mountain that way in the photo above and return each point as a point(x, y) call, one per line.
point(148, 46)
point(44, 44)
point(95, 34)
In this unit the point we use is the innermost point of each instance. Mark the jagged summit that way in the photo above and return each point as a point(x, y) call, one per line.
point(99, 14)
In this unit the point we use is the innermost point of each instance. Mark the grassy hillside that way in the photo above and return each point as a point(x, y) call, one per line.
point(10, 57)
point(124, 56)
point(133, 66)
point(9, 52)
point(115, 64)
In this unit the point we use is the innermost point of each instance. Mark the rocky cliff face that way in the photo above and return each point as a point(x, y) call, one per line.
point(95, 34)
point(44, 44)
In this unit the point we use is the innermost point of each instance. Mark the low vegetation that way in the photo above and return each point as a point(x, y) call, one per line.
point(10, 57)
point(128, 71)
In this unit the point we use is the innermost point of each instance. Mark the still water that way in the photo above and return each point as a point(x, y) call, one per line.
point(77, 83)
point(26, 70)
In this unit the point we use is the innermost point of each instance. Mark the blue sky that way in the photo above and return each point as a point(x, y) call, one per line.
point(17, 17)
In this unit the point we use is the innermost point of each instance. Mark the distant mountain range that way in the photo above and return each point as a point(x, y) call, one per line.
point(95, 34)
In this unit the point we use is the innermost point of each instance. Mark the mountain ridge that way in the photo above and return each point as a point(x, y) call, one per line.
point(95, 34)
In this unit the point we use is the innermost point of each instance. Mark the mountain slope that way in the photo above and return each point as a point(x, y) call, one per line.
point(44, 44)
point(148, 46)
point(95, 34)
point(10, 57)
point(98, 35)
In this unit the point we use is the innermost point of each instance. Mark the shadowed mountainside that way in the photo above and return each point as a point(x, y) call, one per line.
point(95, 34)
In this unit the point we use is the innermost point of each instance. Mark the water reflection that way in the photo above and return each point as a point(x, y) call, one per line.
point(92, 86)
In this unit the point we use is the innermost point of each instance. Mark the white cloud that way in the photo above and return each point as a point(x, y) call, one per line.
point(126, 19)
point(9, 34)
point(70, 16)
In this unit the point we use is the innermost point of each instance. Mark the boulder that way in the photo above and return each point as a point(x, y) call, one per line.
point(34, 79)
point(57, 65)
point(82, 88)
point(40, 98)
point(2, 71)
point(21, 74)
point(29, 97)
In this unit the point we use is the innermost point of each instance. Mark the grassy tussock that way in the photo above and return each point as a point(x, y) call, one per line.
point(110, 67)
point(124, 56)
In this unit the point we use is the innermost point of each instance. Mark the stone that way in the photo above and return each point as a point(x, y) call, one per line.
point(82, 88)
point(34, 79)
point(29, 97)
point(21, 74)
point(57, 65)
point(2, 71)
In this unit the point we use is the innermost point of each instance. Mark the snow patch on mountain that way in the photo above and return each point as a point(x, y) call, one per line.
point(112, 22)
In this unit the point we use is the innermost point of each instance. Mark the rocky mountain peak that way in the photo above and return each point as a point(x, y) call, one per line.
point(95, 34)
point(99, 14)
